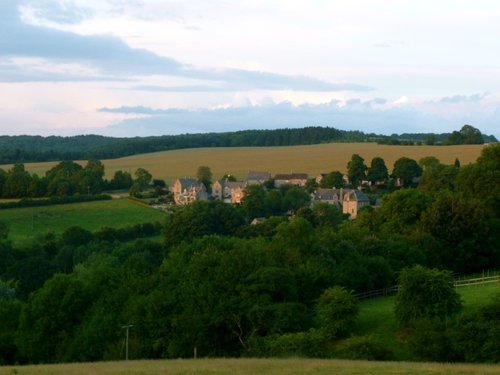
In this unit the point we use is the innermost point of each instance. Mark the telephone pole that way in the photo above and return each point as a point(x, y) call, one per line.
point(127, 328)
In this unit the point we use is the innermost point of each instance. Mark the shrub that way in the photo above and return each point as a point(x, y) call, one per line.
point(363, 347)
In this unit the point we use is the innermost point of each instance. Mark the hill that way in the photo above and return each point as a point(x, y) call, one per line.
point(312, 159)
point(23, 149)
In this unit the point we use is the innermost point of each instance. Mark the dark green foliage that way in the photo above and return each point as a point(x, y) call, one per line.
point(55, 200)
point(333, 179)
point(468, 135)
point(362, 348)
point(425, 294)
point(10, 310)
point(336, 312)
point(202, 218)
point(476, 335)
point(312, 344)
point(377, 170)
point(204, 175)
point(429, 341)
point(406, 170)
point(356, 170)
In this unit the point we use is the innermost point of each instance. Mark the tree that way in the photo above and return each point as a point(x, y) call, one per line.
point(336, 312)
point(356, 169)
point(121, 180)
point(333, 179)
point(466, 136)
point(17, 183)
point(142, 178)
point(254, 201)
point(377, 171)
point(406, 170)
point(295, 198)
point(425, 294)
point(204, 175)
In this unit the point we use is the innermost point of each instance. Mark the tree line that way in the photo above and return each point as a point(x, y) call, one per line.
point(69, 178)
point(23, 149)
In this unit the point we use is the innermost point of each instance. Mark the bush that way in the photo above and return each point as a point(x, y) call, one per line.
point(336, 311)
point(312, 343)
point(429, 341)
point(363, 347)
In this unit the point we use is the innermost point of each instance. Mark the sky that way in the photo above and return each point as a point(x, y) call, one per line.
point(154, 67)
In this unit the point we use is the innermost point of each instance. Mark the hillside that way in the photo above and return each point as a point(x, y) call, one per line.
point(23, 149)
point(311, 159)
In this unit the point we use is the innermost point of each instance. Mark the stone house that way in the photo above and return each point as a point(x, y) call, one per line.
point(257, 178)
point(353, 201)
point(228, 191)
point(330, 196)
point(292, 179)
point(188, 190)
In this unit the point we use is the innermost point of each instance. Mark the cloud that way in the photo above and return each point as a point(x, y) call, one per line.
point(464, 98)
point(370, 116)
point(113, 58)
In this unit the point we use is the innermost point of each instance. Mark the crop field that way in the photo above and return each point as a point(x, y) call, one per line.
point(377, 318)
point(28, 223)
point(292, 366)
point(312, 159)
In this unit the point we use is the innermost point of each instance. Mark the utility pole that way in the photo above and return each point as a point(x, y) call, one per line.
point(127, 328)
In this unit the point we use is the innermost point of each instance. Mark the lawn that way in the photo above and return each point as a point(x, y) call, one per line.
point(293, 366)
point(26, 224)
point(377, 318)
point(311, 159)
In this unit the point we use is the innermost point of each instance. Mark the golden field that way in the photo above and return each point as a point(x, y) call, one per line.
point(294, 366)
point(311, 159)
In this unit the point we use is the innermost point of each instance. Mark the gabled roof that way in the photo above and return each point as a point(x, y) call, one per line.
point(189, 181)
point(326, 194)
point(234, 184)
point(256, 175)
point(356, 195)
point(291, 176)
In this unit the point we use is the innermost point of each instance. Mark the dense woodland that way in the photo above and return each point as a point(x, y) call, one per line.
point(23, 149)
point(281, 287)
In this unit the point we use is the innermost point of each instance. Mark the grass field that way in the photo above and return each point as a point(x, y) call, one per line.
point(293, 366)
point(313, 159)
point(377, 318)
point(28, 223)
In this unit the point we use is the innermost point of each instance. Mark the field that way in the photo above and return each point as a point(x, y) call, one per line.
point(293, 366)
point(28, 223)
point(377, 318)
point(313, 159)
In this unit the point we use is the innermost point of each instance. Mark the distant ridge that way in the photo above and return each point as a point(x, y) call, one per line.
point(24, 149)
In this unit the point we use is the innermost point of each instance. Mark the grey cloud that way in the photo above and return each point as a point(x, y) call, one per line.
point(464, 98)
point(355, 115)
point(115, 59)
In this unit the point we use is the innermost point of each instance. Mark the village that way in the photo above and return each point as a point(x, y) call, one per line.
point(189, 189)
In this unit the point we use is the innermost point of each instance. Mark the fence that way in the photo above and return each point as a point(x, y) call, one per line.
point(458, 283)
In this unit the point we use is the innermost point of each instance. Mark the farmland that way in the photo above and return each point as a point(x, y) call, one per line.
point(292, 366)
point(237, 161)
point(28, 223)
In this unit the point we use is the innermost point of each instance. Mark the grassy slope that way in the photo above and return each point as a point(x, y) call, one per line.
point(293, 366)
point(237, 161)
point(28, 223)
point(377, 317)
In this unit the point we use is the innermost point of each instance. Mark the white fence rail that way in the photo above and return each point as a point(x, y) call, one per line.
point(458, 283)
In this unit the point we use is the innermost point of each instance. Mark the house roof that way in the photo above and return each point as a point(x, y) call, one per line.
point(357, 196)
point(185, 182)
point(291, 176)
point(234, 184)
point(256, 175)
point(326, 194)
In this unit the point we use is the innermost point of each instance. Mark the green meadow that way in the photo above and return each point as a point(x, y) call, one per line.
point(26, 224)
point(376, 316)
